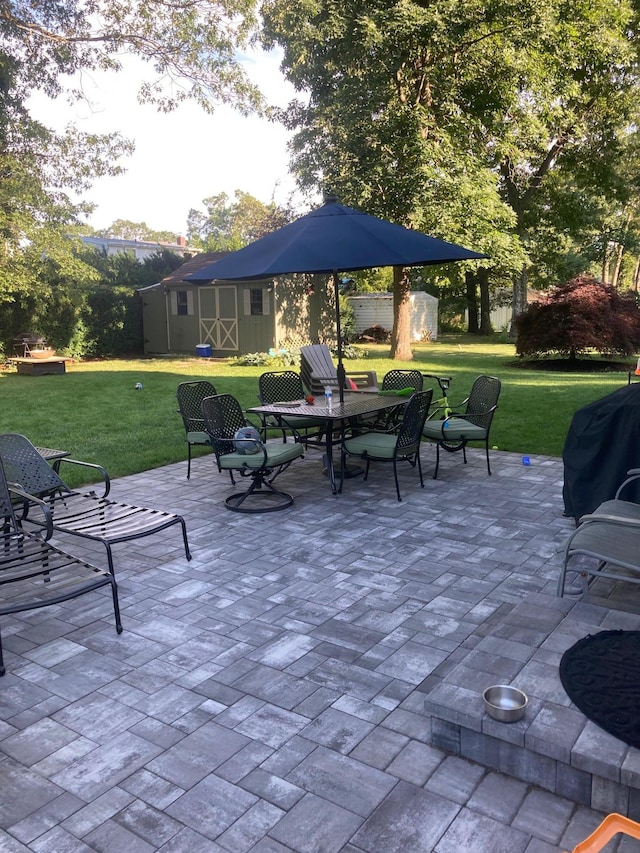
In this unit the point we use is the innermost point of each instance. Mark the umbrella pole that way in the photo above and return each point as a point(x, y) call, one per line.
point(340, 369)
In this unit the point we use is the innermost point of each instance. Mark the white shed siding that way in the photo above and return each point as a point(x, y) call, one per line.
point(376, 309)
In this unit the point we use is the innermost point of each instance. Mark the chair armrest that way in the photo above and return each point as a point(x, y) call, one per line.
point(105, 477)
point(264, 425)
point(29, 500)
point(610, 518)
point(632, 475)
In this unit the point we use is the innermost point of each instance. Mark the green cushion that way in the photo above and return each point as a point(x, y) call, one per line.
point(294, 423)
point(457, 429)
point(277, 454)
point(302, 423)
point(402, 392)
point(377, 445)
point(198, 438)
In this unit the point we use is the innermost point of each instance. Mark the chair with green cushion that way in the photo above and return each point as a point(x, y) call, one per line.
point(247, 455)
point(472, 424)
point(403, 443)
point(278, 386)
point(190, 397)
point(405, 381)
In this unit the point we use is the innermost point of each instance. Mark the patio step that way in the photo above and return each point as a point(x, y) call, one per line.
point(554, 746)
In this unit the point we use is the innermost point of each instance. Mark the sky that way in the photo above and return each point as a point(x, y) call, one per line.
point(181, 157)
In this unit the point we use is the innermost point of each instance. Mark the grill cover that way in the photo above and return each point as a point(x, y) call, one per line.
point(602, 444)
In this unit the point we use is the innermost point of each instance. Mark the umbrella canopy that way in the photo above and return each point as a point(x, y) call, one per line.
point(329, 239)
point(332, 239)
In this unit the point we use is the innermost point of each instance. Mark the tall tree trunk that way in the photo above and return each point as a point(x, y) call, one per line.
point(519, 297)
point(605, 264)
point(485, 302)
point(472, 302)
point(636, 275)
point(401, 332)
point(618, 264)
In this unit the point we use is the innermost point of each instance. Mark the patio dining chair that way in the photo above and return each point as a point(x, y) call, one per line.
point(401, 444)
point(35, 574)
point(285, 386)
point(190, 396)
point(473, 423)
point(83, 514)
point(405, 381)
point(239, 448)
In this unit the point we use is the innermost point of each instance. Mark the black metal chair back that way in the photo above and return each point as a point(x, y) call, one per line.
point(483, 401)
point(397, 380)
point(190, 396)
point(223, 416)
point(278, 385)
point(24, 465)
point(415, 414)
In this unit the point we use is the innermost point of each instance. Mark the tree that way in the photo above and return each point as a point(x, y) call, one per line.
point(191, 48)
point(124, 229)
point(409, 100)
point(227, 226)
point(385, 125)
point(580, 316)
point(575, 94)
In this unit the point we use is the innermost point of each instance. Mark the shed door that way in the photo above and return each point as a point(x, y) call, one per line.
point(218, 309)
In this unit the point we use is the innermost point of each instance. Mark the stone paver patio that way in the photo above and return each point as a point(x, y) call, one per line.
point(311, 680)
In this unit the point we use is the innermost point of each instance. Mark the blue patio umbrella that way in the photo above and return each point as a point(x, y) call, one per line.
point(333, 239)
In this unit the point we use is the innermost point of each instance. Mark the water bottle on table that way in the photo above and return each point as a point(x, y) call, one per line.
point(328, 397)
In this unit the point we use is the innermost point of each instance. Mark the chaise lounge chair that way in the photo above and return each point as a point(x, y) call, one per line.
point(83, 514)
point(34, 574)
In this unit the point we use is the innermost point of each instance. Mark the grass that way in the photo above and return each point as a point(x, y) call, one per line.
point(96, 413)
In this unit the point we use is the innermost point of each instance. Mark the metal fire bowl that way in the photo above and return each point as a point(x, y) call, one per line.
point(505, 703)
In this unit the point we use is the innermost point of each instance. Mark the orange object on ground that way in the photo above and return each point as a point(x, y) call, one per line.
point(610, 826)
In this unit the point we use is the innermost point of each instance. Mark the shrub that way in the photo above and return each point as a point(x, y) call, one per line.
point(580, 316)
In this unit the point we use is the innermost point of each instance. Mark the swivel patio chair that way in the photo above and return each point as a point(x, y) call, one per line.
point(34, 574)
point(472, 424)
point(286, 386)
point(393, 446)
point(318, 370)
point(190, 396)
point(77, 513)
point(238, 450)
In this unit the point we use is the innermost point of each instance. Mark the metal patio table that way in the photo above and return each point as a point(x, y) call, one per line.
point(335, 417)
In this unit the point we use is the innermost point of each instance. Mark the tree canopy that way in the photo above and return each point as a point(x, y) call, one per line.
point(451, 117)
point(192, 49)
point(228, 225)
point(191, 46)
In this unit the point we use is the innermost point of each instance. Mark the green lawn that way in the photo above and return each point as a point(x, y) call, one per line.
point(95, 412)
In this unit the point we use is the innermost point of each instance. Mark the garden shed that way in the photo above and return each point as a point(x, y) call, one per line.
point(228, 318)
point(376, 309)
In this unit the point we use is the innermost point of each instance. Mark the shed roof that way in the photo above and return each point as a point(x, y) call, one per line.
point(193, 265)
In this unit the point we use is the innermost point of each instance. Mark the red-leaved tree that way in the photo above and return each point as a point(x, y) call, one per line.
point(579, 317)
